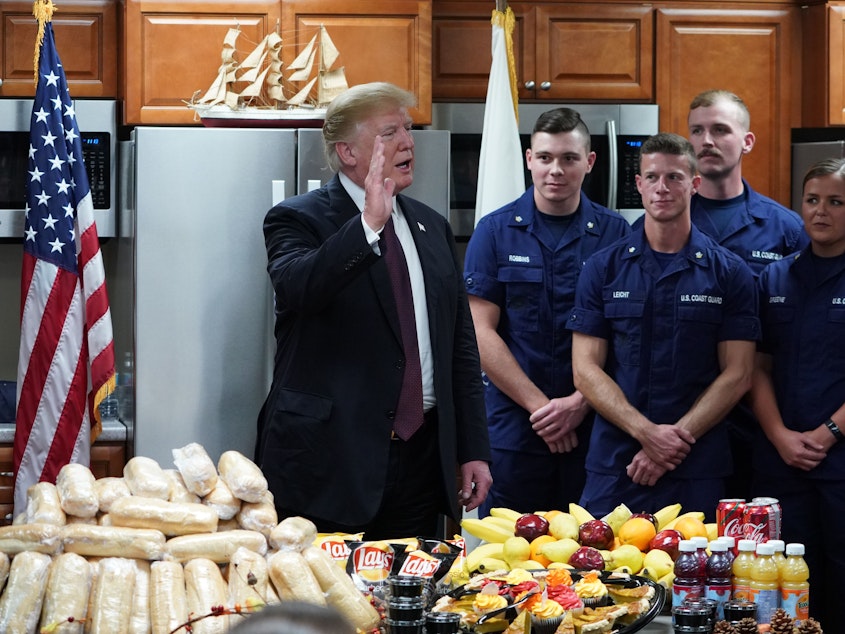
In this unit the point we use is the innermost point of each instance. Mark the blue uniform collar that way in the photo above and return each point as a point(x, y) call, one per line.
point(525, 211)
point(802, 266)
point(754, 211)
point(695, 252)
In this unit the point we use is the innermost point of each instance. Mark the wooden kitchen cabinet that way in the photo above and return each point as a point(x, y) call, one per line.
point(86, 40)
point(378, 40)
point(107, 460)
point(748, 49)
point(823, 77)
point(172, 49)
point(563, 51)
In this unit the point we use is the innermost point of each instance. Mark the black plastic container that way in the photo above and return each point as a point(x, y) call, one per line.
point(687, 615)
point(402, 586)
point(442, 622)
point(405, 609)
point(737, 609)
point(405, 627)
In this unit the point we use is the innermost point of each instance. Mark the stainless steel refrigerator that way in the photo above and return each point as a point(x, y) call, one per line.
point(191, 299)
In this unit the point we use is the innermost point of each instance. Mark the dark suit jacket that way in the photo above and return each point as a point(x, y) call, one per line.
point(324, 431)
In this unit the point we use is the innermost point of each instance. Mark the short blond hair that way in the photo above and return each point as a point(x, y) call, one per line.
point(711, 97)
point(354, 106)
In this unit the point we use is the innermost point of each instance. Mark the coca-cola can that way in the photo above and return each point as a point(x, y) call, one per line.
point(729, 517)
point(761, 521)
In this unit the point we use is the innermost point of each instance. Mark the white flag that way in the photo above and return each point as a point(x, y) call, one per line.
point(500, 168)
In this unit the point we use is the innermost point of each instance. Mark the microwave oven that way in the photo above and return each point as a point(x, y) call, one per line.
point(97, 121)
point(616, 131)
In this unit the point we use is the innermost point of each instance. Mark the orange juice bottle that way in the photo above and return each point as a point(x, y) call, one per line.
point(794, 584)
point(780, 546)
point(765, 582)
point(741, 569)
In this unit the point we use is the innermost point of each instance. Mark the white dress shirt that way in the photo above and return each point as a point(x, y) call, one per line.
point(412, 258)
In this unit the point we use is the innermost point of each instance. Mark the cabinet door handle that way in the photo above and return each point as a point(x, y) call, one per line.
point(7, 474)
point(546, 85)
point(530, 85)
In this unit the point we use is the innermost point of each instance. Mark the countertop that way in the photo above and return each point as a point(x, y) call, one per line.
point(113, 431)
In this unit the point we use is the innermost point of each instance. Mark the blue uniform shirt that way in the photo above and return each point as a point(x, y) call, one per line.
point(513, 261)
point(662, 328)
point(763, 233)
point(803, 321)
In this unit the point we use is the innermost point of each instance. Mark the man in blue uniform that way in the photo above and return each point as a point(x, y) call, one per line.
point(520, 271)
point(756, 228)
point(665, 324)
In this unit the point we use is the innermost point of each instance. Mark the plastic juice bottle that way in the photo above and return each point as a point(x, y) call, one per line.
point(765, 586)
point(701, 544)
point(718, 581)
point(780, 546)
point(742, 569)
point(730, 542)
point(689, 574)
point(794, 584)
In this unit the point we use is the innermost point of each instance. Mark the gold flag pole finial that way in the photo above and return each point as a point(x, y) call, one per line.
point(43, 12)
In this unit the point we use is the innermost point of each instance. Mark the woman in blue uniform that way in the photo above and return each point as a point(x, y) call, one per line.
point(798, 391)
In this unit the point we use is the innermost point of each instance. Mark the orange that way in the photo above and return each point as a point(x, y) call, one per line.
point(550, 514)
point(535, 547)
point(637, 531)
point(691, 527)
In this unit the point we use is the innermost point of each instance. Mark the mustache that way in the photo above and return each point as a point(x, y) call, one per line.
point(704, 153)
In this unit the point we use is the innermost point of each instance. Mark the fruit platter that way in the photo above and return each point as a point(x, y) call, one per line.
point(557, 601)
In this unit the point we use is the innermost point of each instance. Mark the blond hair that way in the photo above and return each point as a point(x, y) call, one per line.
point(711, 97)
point(354, 106)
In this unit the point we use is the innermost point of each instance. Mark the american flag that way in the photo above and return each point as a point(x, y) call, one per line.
point(66, 361)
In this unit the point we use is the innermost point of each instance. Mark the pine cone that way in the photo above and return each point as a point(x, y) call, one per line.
point(746, 626)
point(810, 626)
point(782, 623)
point(723, 627)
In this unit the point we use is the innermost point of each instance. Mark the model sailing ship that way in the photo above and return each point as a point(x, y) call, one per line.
point(255, 92)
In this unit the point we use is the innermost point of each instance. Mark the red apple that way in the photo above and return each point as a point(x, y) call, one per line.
point(596, 533)
point(586, 558)
point(668, 540)
point(531, 526)
point(649, 516)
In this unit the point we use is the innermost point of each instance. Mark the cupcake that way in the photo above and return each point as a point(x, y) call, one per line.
point(487, 602)
point(591, 590)
point(566, 597)
point(546, 614)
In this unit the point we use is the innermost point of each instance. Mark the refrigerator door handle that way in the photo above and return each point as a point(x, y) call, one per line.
point(278, 194)
point(613, 172)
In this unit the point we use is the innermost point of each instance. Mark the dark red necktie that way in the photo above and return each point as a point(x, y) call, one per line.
point(409, 410)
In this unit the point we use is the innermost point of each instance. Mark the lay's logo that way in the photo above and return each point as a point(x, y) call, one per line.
point(372, 563)
point(419, 564)
point(338, 550)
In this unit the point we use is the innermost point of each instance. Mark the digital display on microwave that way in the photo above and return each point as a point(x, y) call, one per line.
point(14, 168)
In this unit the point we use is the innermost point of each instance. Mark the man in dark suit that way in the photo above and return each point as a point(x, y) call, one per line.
point(365, 423)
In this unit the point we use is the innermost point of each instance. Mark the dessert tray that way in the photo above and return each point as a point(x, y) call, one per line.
point(632, 603)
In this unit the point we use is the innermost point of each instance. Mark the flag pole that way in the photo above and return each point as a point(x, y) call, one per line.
point(500, 169)
point(43, 12)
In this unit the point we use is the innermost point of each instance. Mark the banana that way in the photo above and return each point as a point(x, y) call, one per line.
point(493, 550)
point(485, 530)
point(712, 530)
point(699, 515)
point(667, 580)
point(649, 573)
point(559, 564)
point(623, 570)
point(509, 514)
point(502, 522)
point(490, 564)
point(580, 513)
point(667, 514)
